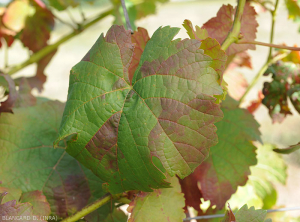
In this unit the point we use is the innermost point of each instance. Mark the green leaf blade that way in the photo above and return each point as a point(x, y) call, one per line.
point(117, 125)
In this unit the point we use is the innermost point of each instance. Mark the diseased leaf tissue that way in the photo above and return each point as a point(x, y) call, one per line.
point(133, 132)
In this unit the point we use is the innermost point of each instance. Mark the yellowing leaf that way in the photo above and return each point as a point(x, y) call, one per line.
point(15, 15)
point(160, 205)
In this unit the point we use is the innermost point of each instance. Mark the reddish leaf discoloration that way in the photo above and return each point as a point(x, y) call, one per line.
point(256, 103)
point(104, 142)
point(227, 166)
point(219, 26)
point(192, 193)
point(37, 28)
point(140, 39)
point(72, 196)
point(122, 38)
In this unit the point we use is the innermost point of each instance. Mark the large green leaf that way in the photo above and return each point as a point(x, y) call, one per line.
point(130, 135)
point(227, 166)
point(29, 162)
point(161, 205)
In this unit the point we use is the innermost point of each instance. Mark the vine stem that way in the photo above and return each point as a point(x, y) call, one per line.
point(92, 207)
point(126, 16)
point(36, 57)
point(269, 45)
point(269, 59)
point(234, 33)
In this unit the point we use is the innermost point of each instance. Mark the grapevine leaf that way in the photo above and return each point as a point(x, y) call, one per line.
point(286, 83)
point(14, 209)
point(228, 163)
point(237, 83)
point(38, 201)
point(10, 194)
point(256, 103)
point(288, 150)
point(246, 214)
point(293, 8)
point(293, 56)
point(15, 15)
point(27, 139)
point(116, 216)
point(242, 59)
point(192, 194)
point(270, 169)
point(162, 122)
point(160, 205)
point(8, 104)
point(199, 33)
point(37, 27)
point(219, 26)
point(211, 48)
point(140, 39)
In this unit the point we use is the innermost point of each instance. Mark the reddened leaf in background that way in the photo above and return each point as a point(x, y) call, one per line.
point(162, 123)
point(227, 166)
point(160, 205)
point(256, 103)
point(37, 27)
point(219, 26)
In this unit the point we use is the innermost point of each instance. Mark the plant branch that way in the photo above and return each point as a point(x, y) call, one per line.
point(269, 45)
point(260, 73)
point(126, 16)
point(92, 207)
point(36, 57)
point(233, 35)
